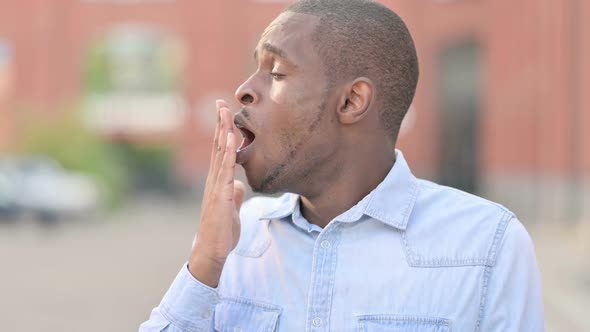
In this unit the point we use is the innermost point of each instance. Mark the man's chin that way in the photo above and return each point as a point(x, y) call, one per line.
point(254, 181)
point(260, 186)
point(263, 180)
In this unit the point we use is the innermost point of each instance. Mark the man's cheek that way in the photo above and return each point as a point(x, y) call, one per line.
point(278, 94)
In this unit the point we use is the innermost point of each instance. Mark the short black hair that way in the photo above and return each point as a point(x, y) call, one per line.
point(364, 38)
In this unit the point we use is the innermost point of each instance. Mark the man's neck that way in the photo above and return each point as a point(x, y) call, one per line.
point(346, 190)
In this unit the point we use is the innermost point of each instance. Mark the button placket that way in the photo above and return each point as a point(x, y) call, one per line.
point(322, 279)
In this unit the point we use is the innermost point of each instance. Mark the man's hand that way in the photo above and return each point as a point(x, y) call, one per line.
point(219, 229)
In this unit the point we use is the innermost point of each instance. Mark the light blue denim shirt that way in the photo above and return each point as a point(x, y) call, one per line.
point(411, 256)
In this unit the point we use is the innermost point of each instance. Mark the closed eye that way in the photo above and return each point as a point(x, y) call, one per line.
point(277, 76)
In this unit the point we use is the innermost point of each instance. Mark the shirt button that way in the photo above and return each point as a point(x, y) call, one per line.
point(208, 313)
point(317, 321)
point(326, 244)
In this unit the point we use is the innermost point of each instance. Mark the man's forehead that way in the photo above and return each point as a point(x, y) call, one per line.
point(292, 21)
point(289, 32)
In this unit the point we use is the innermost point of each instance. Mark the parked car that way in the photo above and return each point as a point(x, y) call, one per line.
point(39, 185)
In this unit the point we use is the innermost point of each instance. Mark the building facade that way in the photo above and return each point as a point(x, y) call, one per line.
point(501, 110)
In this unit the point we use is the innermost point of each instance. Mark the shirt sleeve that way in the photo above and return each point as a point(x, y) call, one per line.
point(188, 305)
point(513, 299)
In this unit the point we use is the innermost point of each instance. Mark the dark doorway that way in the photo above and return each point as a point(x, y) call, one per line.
point(459, 93)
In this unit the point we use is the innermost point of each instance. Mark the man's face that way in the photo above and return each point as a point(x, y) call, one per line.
point(287, 127)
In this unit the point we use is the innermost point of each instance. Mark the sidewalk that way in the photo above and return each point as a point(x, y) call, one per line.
point(564, 259)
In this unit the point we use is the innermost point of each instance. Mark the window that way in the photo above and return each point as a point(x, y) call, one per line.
point(459, 93)
point(133, 81)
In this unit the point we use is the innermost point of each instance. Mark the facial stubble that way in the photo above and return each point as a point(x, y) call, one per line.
point(268, 185)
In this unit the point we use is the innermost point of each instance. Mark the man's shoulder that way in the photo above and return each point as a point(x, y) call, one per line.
point(449, 227)
point(432, 195)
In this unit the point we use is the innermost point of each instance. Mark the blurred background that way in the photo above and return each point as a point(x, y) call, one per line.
point(107, 115)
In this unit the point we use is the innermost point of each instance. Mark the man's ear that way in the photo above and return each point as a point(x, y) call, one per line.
point(356, 99)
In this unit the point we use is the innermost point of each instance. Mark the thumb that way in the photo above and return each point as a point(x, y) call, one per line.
point(239, 193)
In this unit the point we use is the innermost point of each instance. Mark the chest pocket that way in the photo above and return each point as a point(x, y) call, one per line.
point(241, 315)
point(396, 323)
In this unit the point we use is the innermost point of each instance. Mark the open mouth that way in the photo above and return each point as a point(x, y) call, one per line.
point(248, 137)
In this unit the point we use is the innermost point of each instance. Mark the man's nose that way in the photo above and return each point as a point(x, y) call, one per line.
point(246, 94)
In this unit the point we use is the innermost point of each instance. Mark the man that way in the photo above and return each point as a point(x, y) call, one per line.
point(357, 243)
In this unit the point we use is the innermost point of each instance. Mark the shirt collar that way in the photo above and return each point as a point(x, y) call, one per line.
point(284, 207)
point(391, 202)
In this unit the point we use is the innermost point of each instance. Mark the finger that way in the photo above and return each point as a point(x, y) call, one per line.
point(239, 193)
point(220, 103)
point(227, 125)
point(214, 146)
point(212, 174)
point(228, 118)
point(221, 143)
point(225, 181)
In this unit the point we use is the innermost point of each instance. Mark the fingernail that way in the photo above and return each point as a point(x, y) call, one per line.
point(218, 103)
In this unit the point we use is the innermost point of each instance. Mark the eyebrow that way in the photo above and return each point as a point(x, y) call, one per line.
point(274, 50)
